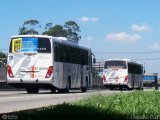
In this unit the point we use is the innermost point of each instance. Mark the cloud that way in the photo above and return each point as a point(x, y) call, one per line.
point(123, 36)
point(141, 28)
point(87, 19)
point(84, 19)
point(89, 38)
point(94, 19)
point(155, 46)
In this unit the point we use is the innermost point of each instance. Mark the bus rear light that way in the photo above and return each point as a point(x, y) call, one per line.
point(49, 72)
point(10, 73)
point(104, 78)
point(126, 79)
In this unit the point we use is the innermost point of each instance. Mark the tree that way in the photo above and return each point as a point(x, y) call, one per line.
point(22, 31)
point(70, 29)
point(48, 26)
point(3, 57)
point(31, 23)
point(73, 30)
point(29, 27)
point(56, 31)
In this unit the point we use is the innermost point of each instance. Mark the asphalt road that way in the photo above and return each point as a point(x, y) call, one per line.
point(11, 101)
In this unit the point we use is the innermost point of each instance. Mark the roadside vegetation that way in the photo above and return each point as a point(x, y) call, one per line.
point(70, 29)
point(135, 105)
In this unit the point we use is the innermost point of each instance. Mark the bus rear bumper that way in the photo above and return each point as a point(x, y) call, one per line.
point(31, 85)
point(23, 82)
point(108, 85)
point(114, 83)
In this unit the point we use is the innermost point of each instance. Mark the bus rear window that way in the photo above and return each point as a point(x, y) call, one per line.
point(30, 45)
point(115, 64)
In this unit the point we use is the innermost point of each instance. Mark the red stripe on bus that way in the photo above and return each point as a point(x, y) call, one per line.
point(32, 71)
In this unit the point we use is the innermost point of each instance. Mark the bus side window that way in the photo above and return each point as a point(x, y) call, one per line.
point(67, 54)
point(56, 52)
point(61, 53)
point(84, 57)
point(44, 45)
point(10, 47)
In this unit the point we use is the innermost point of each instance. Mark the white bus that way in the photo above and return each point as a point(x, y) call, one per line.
point(55, 63)
point(122, 74)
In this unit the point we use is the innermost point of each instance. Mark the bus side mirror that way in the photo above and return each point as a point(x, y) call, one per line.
point(94, 60)
point(144, 71)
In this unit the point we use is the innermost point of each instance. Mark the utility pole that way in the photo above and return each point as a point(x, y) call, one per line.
point(99, 78)
point(156, 81)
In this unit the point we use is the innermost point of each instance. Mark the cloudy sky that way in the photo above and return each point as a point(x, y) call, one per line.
point(111, 28)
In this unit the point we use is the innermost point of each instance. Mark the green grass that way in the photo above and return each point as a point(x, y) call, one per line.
point(133, 105)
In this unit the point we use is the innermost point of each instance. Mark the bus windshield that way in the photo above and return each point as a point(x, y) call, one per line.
point(115, 64)
point(30, 45)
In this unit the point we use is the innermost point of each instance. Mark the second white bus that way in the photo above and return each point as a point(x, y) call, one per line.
point(122, 74)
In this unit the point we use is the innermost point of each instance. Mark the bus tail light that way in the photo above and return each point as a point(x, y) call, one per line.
point(10, 73)
point(126, 79)
point(104, 78)
point(49, 72)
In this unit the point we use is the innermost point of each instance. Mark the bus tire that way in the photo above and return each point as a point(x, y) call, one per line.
point(121, 88)
point(111, 88)
point(32, 90)
point(84, 88)
point(53, 89)
point(68, 87)
point(141, 86)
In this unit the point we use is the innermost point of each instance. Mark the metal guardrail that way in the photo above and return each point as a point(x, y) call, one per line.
point(3, 72)
point(98, 66)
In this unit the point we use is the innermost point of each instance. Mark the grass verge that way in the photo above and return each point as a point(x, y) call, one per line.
point(135, 105)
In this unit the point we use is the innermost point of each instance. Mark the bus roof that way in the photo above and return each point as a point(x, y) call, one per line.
point(69, 42)
point(63, 40)
point(127, 60)
point(120, 60)
point(46, 36)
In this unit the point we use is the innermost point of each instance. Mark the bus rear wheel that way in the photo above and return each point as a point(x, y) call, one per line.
point(129, 88)
point(32, 90)
point(111, 88)
point(84, 88)
point(68, 87)
point(53, 89)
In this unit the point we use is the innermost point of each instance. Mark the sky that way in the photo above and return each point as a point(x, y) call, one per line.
point(111, 28)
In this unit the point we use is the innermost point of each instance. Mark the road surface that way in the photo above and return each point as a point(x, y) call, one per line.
point(11, 101)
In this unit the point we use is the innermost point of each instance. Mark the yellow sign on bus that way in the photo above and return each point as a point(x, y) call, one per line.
point(16, 45)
